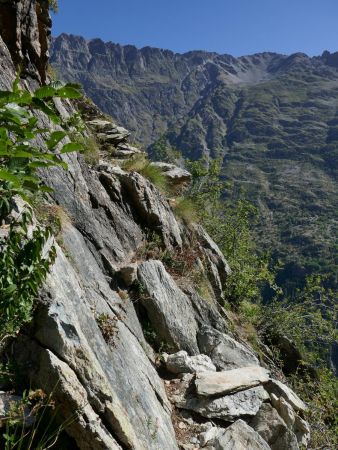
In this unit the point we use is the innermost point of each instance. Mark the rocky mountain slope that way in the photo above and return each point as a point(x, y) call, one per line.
point(271, 118)
point(112, 304)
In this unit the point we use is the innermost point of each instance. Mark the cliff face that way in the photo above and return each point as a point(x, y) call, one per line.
point(112, 304)
point(272, 119)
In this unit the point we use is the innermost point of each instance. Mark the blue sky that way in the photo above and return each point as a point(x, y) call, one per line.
point(238, 27)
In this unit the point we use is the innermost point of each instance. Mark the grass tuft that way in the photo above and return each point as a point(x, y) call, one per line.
point(185, 209)
point(143, 166)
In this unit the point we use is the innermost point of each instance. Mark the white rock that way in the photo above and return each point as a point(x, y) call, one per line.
point(218, 383)
point(182, 426)
point(175, 174)
point(100, 124)
point(208, 436)
point(181, 362)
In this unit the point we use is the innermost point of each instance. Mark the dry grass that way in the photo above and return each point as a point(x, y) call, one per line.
point(141, 164)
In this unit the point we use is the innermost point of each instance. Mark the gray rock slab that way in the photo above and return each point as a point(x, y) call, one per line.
point(273, 429)
point(121, 384)
point(218, 383)
point(224, 351)
point(229, 407)
point(151, 207)
point(168, 308)
point(281, 390)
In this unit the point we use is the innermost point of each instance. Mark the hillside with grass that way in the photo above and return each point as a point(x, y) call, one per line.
point(271, 119)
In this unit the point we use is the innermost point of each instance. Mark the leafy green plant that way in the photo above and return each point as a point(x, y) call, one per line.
point(321, 395)
point(161, 151)
point(23, 268)
point(21, 151)
point(25, 147)
point(108, 327)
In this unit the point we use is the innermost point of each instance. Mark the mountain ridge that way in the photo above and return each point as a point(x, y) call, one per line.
point(325, 53)
point(272, 119)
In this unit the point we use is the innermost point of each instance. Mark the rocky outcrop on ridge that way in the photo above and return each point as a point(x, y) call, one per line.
point(107, 312)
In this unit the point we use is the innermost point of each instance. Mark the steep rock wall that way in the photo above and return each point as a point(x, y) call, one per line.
point(89, 342)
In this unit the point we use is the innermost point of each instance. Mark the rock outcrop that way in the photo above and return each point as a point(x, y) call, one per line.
point(105, 304)
point(238, 436)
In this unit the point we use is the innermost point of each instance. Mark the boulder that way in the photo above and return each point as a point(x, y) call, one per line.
point(229, 407)
point(169, 309)
point(150, 207)
point(273, 429)
point(238, 436)
point(284, 409)
point(299, 426)
point(302, 431)
point(176, 175)
point(281, 390)
point(224, 351)
point(219, 383)
point(181, 362)
point(100, 124)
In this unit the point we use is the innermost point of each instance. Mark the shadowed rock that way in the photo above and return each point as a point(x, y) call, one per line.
point(224, 351)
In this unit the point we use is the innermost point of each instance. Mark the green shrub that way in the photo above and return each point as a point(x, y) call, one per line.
point(229, 222)
point(308, 319)
point(23, 264)
point(321, 395)
point(23, 268)
point(20, 154)
point(185, 209)
point(161, 151)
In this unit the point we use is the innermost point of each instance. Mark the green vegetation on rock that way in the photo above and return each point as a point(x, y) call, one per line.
point(26, 147)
